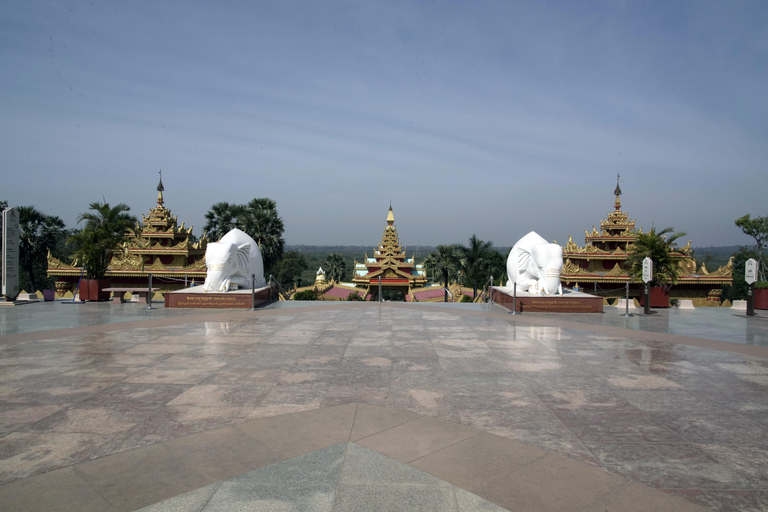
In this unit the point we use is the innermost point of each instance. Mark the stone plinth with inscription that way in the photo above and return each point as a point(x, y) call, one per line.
point(569, 302)
point(195, 297)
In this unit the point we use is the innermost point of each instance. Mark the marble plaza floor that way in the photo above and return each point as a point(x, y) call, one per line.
point(347, 406)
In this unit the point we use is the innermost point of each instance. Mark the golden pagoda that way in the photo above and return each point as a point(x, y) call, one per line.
point(390, 263)
point(600, 265)
point(157, 245)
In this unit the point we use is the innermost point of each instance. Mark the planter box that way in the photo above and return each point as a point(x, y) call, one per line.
point(659, 297)
point(91, 289)
point(49, 295)
point(761, 298)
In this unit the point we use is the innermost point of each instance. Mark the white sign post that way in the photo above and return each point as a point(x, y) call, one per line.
point(647, 277)
point(10, 253)
point(751, 266)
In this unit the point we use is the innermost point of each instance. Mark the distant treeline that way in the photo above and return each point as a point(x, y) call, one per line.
point(713, 257)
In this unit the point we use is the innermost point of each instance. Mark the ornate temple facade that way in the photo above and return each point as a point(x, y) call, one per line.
point(390, 263)
point(157, 245)
point(600, 265)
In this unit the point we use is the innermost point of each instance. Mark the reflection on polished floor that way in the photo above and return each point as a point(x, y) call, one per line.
point(675, 403)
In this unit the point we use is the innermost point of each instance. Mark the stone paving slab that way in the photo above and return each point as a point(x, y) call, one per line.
point(679, 413)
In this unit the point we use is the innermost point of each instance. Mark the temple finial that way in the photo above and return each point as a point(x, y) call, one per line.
point(617, 193)
point(160, 189)
point(390, 216)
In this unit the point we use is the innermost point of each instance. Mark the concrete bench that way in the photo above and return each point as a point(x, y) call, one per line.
point(119, 291)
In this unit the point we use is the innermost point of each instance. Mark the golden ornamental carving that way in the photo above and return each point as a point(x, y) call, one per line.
point(55, 263)
point(129, 262)
point(197, 266)
point(616, 271)
point(571, 245)
point(570, 268)
point(156, 265)
point(724, 271)
point(703, 270)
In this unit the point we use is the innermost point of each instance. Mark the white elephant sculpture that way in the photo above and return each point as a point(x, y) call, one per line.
point(231, 261)
point(535, 265)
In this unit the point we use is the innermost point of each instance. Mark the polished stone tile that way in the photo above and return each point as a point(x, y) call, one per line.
point(54, 490)
point(141, 477)
point(23, 454)
point(668, 466)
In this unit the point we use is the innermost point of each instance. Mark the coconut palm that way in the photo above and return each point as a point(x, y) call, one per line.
point(335, 267)
point(106, 228)
point(658, 246)
point(445, 260)
point(479, 262)
point(38, 234)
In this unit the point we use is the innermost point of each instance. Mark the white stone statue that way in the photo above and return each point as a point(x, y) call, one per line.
point(231, 261)
point(535, 265)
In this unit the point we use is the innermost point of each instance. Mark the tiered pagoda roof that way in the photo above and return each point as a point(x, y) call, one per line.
point(390, 263)
point(602, 258)
point(158, 245)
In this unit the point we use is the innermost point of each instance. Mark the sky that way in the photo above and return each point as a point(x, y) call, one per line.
point(492, 118)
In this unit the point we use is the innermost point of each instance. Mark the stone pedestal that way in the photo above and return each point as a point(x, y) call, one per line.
point(195, 297)
point(569, 302)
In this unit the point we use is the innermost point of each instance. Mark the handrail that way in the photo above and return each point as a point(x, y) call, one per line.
point(489, 294)
point(280, 289)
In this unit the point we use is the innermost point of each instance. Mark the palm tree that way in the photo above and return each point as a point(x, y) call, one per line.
point(38, 234)
point(262, 223)
point(335, 267)
point(445, 260)
point(659, 247)
point(221, 219)
point(106, 228)
point(478, 261)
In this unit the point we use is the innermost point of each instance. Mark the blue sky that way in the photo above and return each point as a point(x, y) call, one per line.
point(492, 118)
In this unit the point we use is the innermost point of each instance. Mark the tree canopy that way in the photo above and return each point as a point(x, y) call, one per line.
point(106, 228)
point(38, 234)
point(658, 246)
point(757, 228)
point(480, 261)
point(335, 267)
point(445, 261)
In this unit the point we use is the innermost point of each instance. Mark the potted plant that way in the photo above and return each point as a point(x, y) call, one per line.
point(106, 228)
point(659, 246)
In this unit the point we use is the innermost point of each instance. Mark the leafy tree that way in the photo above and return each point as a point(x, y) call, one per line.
point(446, 260)
point(480, 261)
point(658, 247)
point(259, 219)
point(738, 290)
point(757, 228)
point(335, 267)
point(38, 234)
point(290, 267)
point(354, 296)
point(106, 228)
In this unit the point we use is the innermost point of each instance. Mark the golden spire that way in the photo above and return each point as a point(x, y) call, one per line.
point(390, 217)
point(160, 189)
point(617, 193)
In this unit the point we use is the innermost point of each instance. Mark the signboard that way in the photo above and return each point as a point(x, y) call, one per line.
point(750, 270)
point(10, 253)
point(647, 270)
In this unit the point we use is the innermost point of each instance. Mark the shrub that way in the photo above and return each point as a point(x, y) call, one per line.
point(354, 296)
point(305, 295)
